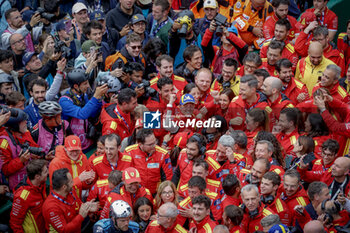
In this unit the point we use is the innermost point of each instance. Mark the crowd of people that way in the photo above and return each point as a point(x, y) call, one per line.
point(228, 116)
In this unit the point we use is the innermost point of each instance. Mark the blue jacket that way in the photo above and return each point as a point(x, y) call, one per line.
point(91, 108)
point(33, 113)
point(107, 226)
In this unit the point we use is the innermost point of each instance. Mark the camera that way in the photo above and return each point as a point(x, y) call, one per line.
point(5, 109)
point(34, 150)
point(224, 84)
point(220, 20)
point(45, 15)
point(104, 80)
point(146, 86)
point(186, 19)
point(60, 47)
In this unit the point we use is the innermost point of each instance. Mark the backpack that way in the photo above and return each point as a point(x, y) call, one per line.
point(110, 60)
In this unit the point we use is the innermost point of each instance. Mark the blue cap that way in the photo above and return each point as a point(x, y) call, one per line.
point(26, 58)
point(27, 15)
point(60, 26)
point(97, 15)
point(279, 228)
point(233, 29)
point(186, 99)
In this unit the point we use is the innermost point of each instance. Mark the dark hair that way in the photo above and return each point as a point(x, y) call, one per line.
point(315, 188)
point(307, 143)
point(223, 121)
point(14, 97)
point(193, 139)
point(274, 177)
point(284, 62)
point(93, 24)
point(188, 88)
point(235, 214)
point(189, 51)
point(261, 72)
point(102, 139)
point(39, 82)
point(59, 178)
point(240, 138)
point(163, 3)
point(9, 11)
point(201, 199)
point(113, 137)
point(228, 92)
point(292, 115)
point(251, 80)
point(292, 173)
point(230, 183)
point(318, 126)
point(284, 22)
point(115, 177)
point(35, 167)
point(140, 202)
point(131, 67)
point(331, 145)
point(320, 30)
point(231, 62)
point(253, 57)
point(164, 57)
point(51, 6)
point(125, 95)
point(5, 54)
point(199, 162)
point(153, 48)
point(164, 81)
point(277, 3)
point(265, 161)
point(197, 181)
point(142, 134)
point(275, 44)
point(260, 116)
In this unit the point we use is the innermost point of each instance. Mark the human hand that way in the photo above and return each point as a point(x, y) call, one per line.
point(4, 117)
point(61, 64)
point(25, 156)
point(101, 91)
point(236, 121)
point(35, 20)
point(258, 32)
point(125, 30)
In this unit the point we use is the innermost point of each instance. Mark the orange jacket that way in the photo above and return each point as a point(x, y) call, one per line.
point(247, 18)
point(75, 167)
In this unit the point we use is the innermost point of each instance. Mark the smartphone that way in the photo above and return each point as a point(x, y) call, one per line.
point(68, 26)
point(92, 49)
point(309, 158)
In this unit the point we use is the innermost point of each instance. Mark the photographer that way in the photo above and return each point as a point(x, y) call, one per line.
point(65, 43)
point(13, 152)
point(77, 108)
point(231, 47)
point(6, 86)
point(16, 25)
point(181, 35)
point(202, 23)
point(50, 131)
point(132, 78)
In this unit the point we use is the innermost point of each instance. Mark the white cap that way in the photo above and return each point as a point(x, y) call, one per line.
point(210, 4)
point(78, 7)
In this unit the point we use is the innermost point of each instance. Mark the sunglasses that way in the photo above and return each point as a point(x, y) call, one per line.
point(136, 47)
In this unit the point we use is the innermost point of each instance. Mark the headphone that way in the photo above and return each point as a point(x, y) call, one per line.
point(201, 147)
point(226, 84)
point(328, 213)
point(267, 200)
point(252, 214)
point(188, 75)
point(248, 178)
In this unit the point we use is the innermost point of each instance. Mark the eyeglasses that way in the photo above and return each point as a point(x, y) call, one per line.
point(21, 40)
point(167, 193)
point(136, 47)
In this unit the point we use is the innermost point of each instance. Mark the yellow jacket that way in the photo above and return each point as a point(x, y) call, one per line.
point(307, 73)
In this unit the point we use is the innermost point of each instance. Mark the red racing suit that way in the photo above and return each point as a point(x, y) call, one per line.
point(287, 52)
point(26, 214)
point(153, 169)
point(155, 227)
point(205, 226)
point(103, 167)
point(293, 89)
point(269, 27)
point(252, 223)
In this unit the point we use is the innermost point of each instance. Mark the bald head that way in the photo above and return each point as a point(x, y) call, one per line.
point(315, 47)
point(345, 161)
point(315, 53)
point(314, 227)
point(276, 83)
point(221, 229)
point(168, 209)
point(17, 43)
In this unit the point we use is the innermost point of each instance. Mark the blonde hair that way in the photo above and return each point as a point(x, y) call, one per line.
point(161, 187)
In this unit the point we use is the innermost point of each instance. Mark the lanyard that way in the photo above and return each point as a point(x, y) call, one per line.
point(60, 199)
point(159, 26)
point(77, 28)
point(56, 137)
point(35, 111)
point(121, 118)
point(338, 191)
point(321, 18)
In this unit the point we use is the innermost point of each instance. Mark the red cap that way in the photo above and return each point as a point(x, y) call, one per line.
point(180, 139)
point(131, 175)
point(139, 124)
point(72, 142)
point(306, 19)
